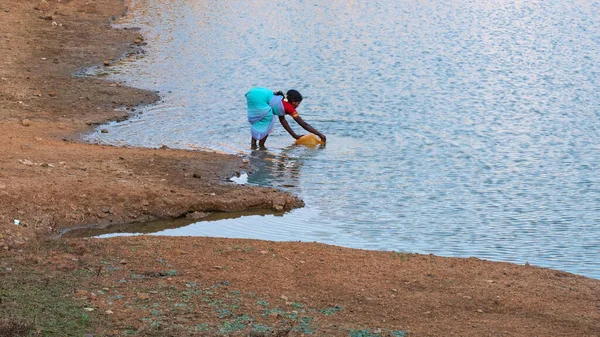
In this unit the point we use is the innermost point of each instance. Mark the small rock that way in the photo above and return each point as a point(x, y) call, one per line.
point(108, 312)
point(104, 130)
point(278, 204)
point(263, 252)
point(88, 309)
point(106, 63)
point(81, 293)
point(283, 297)
point(479, 311)
point(143, 296)
point(197, 215)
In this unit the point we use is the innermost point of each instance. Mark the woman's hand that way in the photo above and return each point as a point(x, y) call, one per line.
point(323, 138)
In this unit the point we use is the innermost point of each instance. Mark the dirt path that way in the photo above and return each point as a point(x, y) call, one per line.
point(199, 286)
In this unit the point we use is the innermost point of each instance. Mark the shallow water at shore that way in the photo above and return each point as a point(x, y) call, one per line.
point(468, 128)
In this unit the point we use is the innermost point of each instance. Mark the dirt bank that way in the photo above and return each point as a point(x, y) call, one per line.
point(200, 286)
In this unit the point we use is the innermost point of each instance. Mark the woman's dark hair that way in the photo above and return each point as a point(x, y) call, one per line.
point(278, 93)
point(293, 96)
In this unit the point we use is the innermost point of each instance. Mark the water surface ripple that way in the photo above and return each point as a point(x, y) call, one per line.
point(458, 128)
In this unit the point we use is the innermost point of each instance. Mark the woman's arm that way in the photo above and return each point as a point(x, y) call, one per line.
point(309, 128)
point(287, 127)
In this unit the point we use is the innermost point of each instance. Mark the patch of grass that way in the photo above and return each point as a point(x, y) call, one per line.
point(42, 302)
point(369, 333)
point(401, 256)
point(243, 248)
point(11, 327)
point(363, 333)
point(261, 328)
point(238, 324)
point(305, 326)
point(201, 327)
point(170, 272)
point(332, 310)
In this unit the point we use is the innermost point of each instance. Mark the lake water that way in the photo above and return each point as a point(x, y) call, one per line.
point(458, 128)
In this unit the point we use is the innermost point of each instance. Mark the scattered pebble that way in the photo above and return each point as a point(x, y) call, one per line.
point(143, 296)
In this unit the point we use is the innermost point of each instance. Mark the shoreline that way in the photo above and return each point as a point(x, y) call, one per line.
point(49, 109)
point(196, 286)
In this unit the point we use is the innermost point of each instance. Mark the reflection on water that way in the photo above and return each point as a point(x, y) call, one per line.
point(155, 226)
point(460, 128)
point(280, 169)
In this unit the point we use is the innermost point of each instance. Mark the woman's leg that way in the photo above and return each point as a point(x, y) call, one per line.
point(261, 142)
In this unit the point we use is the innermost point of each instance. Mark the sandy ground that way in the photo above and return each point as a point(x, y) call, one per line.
point(49, 182)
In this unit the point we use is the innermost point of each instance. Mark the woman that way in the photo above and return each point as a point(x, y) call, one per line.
point(264, 104)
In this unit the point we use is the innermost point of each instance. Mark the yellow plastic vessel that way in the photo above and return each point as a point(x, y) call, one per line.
point(309, 139)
